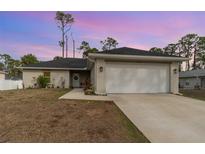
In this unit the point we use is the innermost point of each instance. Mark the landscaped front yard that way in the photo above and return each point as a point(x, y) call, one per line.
point(36, 115)
point(197, 94)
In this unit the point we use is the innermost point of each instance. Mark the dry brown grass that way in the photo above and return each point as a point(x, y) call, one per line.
point(36, 115)
point(197, 94)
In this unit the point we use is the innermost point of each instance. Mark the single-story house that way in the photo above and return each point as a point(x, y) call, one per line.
point(193, 79)
point(121, 70)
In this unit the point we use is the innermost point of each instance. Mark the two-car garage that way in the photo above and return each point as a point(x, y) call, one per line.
point(130, 77)
point(128, 70)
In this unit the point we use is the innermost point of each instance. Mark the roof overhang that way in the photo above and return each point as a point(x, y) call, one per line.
point(51, 68)
point(137, 57)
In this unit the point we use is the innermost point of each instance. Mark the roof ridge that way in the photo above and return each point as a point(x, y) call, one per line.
point(125, 48)
point(134, 51)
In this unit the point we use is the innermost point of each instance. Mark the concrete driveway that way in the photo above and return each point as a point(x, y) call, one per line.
point(164, 117)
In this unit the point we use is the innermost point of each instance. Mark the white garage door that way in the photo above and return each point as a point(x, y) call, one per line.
point(137, 78)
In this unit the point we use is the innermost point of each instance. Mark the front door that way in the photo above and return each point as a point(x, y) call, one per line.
point(76, 80)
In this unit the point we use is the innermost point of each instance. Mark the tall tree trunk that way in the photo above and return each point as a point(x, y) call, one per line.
point(180, 63)
point(194, 62)
point(188, 56)
point(188, 66)
point(63, 43)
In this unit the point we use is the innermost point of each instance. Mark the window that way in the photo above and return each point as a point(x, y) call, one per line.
point(187, 83)
point(47, 75)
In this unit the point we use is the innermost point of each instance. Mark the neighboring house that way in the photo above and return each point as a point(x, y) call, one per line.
point(2, 75)
point(194, 79)
point(121, 70)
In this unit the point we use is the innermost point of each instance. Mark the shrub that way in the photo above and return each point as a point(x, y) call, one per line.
point(42, 81)
point(89, 91)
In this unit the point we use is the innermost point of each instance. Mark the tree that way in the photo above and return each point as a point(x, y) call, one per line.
point(42, 81)
point(109, 43)
point(64, 22)
point(179, 52)
point(187, 45)
point(1, 66)
point(13, 71)
point(156, 50)
point(29, 59)
point(170, 49)
point(10, 65)
point(91, 50)
point(57, 58)
point(200, 54)
point(85, 47)
point(193, 40)
point(5, 59)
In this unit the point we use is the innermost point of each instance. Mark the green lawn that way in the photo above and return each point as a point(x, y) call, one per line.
point(197, 94)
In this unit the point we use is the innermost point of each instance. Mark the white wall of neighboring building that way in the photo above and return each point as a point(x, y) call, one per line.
point(10, 84)
point(189, 83)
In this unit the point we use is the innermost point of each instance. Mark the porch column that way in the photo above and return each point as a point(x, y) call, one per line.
point(174, 77)
point(100, 77)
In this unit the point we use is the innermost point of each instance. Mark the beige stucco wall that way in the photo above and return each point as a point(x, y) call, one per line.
point(30, 76)
point(99, 82)
point(92, 75)
point(2, 76)
point(57, 78)
point(174, 78)
point(60, 79)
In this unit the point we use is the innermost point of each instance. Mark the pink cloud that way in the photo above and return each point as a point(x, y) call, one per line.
point(141, 30)
point(170, 27)
point(44, 52)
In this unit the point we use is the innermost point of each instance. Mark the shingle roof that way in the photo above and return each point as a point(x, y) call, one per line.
point(132, 51)
point(61, 63)
point(193, 73)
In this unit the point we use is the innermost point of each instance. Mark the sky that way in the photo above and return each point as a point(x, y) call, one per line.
point(37, 32)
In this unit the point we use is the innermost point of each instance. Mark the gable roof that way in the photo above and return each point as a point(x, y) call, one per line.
point(132, 51)
point(192, 73)
point(64, 63)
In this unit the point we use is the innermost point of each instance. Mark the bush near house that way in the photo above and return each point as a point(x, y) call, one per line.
point(42, 81)
point(88, 89)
